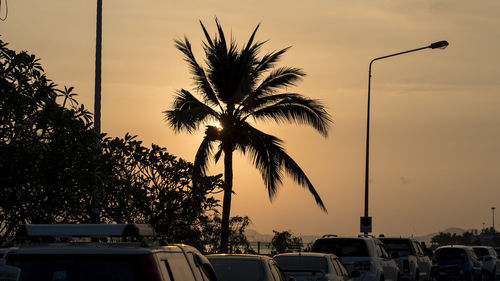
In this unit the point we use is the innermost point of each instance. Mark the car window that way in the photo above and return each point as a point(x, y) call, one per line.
point(230, 269)
point(294, 263)
point(481, 252)
point(450, 254)
point(341, 247)
point(402, 246)
point(48, 267)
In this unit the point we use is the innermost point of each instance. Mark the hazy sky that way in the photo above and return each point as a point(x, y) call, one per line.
point(435, 133)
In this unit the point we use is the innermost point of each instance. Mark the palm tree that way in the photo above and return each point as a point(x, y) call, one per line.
point(236, 85)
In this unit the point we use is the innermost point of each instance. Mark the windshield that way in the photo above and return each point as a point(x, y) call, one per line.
point(481, 252)
point(401, 246)
point(342, 247)
point(237, 269)
point(62, 267)
point(450, 254)
point(302, 263)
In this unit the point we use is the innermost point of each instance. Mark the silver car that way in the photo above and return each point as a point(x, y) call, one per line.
point(365, 254)
point(313, 267)
point(245, 268)
point(413, 263)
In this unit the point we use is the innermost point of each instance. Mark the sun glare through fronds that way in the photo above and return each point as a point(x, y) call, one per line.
point(218, 125)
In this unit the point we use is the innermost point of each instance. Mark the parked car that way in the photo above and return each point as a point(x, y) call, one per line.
point(413, 263)
point(313, 267)
point(463, 259)
point(364, 254)
point(125, 252)
point(488, 257)
point(239, 267)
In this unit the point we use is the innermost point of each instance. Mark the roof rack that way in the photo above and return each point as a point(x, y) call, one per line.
point(85, 230)
point(329, 235)
point(365, 235)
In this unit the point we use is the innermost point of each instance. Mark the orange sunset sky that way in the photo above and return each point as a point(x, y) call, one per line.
point(435, 131)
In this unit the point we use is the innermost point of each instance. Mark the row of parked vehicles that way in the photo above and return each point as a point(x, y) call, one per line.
point(131, 252)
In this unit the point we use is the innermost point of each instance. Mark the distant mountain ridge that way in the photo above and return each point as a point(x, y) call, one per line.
point(427, 238)
point(254, 236)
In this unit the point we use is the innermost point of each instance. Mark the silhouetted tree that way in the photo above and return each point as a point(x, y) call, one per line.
point(284, 241)
point(149, 185)
point(237, 85)
point(46, 148)
point(49, 169)
point(237, 239)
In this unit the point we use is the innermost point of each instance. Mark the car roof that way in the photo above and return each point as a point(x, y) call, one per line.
point(93, 248)
point(238, 256)
point(396, 238)
point(482, 247)
point(455, 246)
point(305, 254)
point(347, 237)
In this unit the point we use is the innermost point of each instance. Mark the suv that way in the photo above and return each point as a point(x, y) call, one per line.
point(313, 266)
point(458, 261)
point(488, 256)
point(364, 254)
point(413, 263)
point(111, 252)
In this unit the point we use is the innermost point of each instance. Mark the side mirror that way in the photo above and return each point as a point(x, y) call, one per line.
point(355, 273)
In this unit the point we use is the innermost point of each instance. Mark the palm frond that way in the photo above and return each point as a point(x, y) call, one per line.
point(286, 108)
point(264, 150)
point(222, 38)
point(278, 79)
point(268, 61)
point(204, 151)
point(218, 154)
point(188, 112)
point(294, 170)
point(198, 72)
point(250, 41)
point(207, 36)
point(270, 158)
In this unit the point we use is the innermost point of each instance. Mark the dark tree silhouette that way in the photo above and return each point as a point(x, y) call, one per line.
point(285, 241)
point(237, 85)
point(49, 169)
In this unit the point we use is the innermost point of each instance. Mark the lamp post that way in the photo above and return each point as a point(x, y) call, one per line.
point(493, 217)
point(98, 48)
point(366, 223)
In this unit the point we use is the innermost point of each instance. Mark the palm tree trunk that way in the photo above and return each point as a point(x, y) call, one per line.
point(226, 203)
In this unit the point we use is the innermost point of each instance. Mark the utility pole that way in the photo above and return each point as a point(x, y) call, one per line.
point(96, 206)
point(98, 48)
point(493, 217)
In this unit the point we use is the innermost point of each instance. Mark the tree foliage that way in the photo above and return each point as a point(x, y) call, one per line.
point(487, 236)
point(285, 241)
point(47, 150)
point(53, 171)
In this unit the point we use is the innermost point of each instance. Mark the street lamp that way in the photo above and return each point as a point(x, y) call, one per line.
point(493, 217)
point(366, 223)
